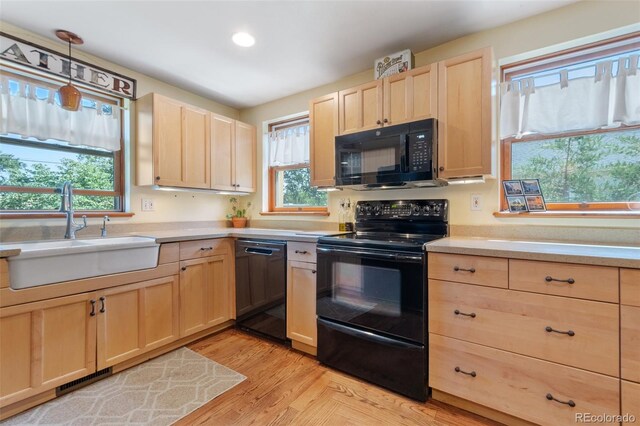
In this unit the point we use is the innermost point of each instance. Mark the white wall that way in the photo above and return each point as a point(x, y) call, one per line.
point(169, 206)
point(578, 22)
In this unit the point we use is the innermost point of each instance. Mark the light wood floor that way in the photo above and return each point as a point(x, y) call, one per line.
point(285, 387)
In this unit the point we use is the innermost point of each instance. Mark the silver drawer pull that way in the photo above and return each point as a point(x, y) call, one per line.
point(472, 374)
point(472, 314)
point(301, 252)
point(570, 403)
point(568, 333)
point(458, 269)
point(549, 278)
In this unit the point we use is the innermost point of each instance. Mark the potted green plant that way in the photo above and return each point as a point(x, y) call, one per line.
point(238, 215)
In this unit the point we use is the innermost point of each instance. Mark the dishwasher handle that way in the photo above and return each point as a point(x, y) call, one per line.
point(260, 251)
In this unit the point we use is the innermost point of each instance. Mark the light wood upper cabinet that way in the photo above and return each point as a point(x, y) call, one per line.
point(206, 297)
point(45, 344)
point(173, 143)
point(245, 157)
point(233, 155)
point(323, 122)
point(136, 318)
point(464, 115)
point(301, 302)
point(360, 107)
point(410, 96)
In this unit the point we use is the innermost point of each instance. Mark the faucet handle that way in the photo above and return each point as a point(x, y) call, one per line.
point(84, 222)
point(103, 230)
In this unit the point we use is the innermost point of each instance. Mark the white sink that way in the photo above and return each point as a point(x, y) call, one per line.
point(48, 262)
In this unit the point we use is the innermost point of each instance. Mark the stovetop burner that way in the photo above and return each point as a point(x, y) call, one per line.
point(395, 225)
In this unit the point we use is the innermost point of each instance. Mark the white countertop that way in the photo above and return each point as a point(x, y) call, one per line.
point(262, 233)
point(590, 254)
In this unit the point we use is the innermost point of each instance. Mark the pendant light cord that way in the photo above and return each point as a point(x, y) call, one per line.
point(69, 60)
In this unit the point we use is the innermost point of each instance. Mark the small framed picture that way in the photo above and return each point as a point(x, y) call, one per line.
point(512, 187)
point(517, 203)
point(535, 203)
point(531, 187)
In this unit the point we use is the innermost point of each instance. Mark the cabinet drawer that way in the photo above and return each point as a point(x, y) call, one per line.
point(489, 271)
point(519, 385)
point(565, 279)
point(517, 321)
point(301, 252)
point(630, 400)
point(630, 342)
point(204, 248)
point(630, 287)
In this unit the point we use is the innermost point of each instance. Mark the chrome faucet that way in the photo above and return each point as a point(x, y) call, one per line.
point(103, 230)
point(67, 207)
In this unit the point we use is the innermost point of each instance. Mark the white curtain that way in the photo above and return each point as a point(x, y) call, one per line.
point(289, 146)
point(25, 113)
point(583, 103)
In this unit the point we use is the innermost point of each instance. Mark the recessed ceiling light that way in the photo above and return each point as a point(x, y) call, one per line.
point(243, 39)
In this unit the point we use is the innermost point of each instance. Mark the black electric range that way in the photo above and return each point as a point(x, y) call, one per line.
point(372, 293)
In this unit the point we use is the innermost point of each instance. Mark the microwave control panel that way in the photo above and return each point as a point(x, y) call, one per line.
point(420, 152)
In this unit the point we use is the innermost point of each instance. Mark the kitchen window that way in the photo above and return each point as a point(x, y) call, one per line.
point(290, 189)
point(42, 146)
point(572, 120)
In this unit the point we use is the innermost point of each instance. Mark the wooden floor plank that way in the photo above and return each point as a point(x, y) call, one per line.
point(286, 387)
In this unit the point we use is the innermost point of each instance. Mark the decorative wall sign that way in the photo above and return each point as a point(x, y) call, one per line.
point(393, 64)
point(30, 55)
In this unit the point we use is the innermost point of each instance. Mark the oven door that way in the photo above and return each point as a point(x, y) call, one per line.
point(363, 159)
point(374, 290)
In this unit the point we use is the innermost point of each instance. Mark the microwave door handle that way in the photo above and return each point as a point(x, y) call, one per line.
point(404, 158)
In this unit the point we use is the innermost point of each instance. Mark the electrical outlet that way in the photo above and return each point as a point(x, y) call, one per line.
point(476, 202)
point(147, 205)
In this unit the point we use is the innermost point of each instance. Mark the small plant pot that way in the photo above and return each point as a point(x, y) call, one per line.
point(239, 222)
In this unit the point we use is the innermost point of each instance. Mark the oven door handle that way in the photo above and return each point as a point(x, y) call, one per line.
point(389, 256)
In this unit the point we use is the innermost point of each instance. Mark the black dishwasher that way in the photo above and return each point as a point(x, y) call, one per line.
point(261, 286)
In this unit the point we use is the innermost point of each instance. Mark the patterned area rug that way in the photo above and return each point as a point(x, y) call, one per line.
point(158, 392)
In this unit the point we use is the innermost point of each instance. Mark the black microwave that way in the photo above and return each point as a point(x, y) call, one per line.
point(403, 155)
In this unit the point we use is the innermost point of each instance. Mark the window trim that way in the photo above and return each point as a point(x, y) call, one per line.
point(118, 156)
point(545, 62)
point(273, 170)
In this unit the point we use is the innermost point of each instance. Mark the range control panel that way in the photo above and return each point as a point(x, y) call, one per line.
point(436, 209)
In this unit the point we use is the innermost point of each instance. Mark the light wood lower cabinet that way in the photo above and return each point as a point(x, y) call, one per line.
point(46, 344)
point(529, 324)
point(630, 401)
point(301, 303)
point(538, 391)
point(136, 318)
point(206, 296)
point(481, 270)
point(630, 342)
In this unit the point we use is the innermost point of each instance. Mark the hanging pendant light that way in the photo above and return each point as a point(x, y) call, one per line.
point(70, 96)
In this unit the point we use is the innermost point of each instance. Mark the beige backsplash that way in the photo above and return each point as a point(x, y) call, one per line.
point(595, 235)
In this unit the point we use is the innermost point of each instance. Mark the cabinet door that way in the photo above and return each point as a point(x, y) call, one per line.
point(136, 318)
point(301, 302)
point(45, 344)
point(464, 115)
point(168, 161)
point(223, 134)
point(323, 122)
point(205, 293)
point(196, 146)
point(245, 157)
point(410, 96)
point(360, 108)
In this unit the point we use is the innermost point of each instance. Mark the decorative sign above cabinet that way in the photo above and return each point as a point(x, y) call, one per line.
point(46, 60)
point(393, 64)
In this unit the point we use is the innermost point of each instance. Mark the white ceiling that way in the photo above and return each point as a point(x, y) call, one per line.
point(299, 44)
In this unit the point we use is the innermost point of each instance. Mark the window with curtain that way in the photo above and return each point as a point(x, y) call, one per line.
point(290, 187)
point(572, 120)
point(43, 145)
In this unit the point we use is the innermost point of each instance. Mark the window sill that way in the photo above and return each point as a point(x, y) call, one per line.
point(302, 213)
point(603, 214)
point(56, 215)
